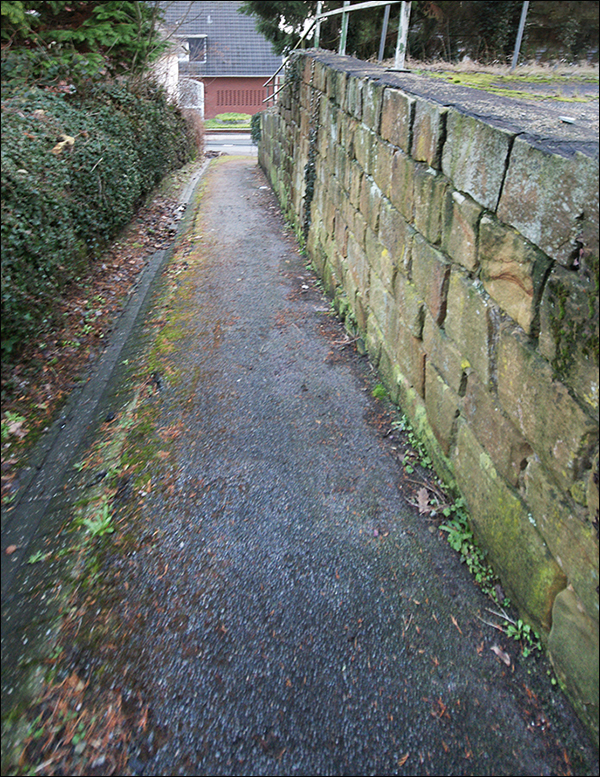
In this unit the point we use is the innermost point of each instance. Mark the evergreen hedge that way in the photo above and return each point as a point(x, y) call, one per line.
point(74, 169)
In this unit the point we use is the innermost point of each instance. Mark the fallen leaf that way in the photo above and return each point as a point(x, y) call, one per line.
point(423, 501)
point(501, 654)
point(453, 619)
point(16, 428)
point(403, 760)
point(10, 550)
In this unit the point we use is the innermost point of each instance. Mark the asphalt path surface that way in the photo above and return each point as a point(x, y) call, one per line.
point(272, 603)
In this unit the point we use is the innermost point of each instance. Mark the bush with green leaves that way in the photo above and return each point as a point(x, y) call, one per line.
point(43, 42)
point(75, 166)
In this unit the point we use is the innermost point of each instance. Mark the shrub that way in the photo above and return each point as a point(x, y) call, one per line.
point(255, 128)
point(75, 166)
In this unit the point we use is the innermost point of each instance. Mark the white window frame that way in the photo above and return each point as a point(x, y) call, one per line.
point(184, 52)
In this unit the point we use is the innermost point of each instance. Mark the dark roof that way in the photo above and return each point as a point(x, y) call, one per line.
point(234, 47)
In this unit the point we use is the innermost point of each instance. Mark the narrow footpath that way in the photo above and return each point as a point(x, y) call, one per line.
point(271, 602)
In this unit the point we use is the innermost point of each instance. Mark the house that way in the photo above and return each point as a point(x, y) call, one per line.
point(221, 62)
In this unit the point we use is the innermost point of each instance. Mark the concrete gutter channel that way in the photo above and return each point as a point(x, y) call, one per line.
point(49, 478)
point(301, 616)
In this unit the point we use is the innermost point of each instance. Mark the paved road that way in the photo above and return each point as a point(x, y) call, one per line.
point(230, 143)
point(271, 604)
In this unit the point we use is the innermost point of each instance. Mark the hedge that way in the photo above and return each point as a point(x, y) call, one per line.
point(74, 170)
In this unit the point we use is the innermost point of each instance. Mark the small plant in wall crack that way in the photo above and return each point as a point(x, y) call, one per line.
point(519, 631)
point(461, 539)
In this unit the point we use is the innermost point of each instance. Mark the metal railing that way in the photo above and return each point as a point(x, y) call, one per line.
point(400, 55)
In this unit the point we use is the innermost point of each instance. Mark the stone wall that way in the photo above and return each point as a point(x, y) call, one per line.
point(465, 255)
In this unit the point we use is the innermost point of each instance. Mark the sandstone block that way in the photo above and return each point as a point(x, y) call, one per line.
point(556, 426)
point(570, 536)
point(410, 357)
point(460, 221)
point(308, 70)
point(358, 265)
point(336, 87)
point(442, 407)
point(429, 129)
point(396, 235)
point(410, 304)
point(364, 140)
point(551, 200)
point(359, 228)
point(354, 96)
point(380, 259)
point(573, 647)
point(341, 234)
point(569, 331)
point(430, 272)
point(512, 270)
point(471, 322)
point(402, 184)
point(355, 189)
point(382, 173)
point(474, 157)
point(348, 127)
point(501, 523)
point(397, 114)
point(329, 215)
point(372, 102)
point(429, 195)
point(319, 75)
point(374, 339)
point(413, 405)
point(444, 355)
point(340, 164)
point(500, 438)
point(382, 306)
point(370, 201)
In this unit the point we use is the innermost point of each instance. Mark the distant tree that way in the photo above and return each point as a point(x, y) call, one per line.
point(50, 40)
point(448, 29)
point(282, 23)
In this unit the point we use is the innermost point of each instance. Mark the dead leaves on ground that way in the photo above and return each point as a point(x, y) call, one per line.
point(71, 736)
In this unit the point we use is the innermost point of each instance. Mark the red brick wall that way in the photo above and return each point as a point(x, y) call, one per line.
point(234, 95)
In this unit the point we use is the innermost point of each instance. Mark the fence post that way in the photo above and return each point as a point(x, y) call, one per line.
point(344, 30)
point(386, 18)
point(519, 36)
point(318, 24)
point(403, 23)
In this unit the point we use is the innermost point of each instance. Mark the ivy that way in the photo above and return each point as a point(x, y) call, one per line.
point(63, 201)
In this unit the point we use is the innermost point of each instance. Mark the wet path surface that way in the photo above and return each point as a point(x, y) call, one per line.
point(273, 605)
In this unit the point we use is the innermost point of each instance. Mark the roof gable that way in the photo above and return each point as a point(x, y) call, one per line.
point(233, 45)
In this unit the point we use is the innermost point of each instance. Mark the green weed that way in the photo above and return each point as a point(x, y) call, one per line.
point(99, 524)
point(380, 391)
point(38, 556)
point(10, 424)
point(462, 540)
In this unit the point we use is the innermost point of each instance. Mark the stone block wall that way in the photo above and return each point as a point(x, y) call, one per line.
point(466, 256)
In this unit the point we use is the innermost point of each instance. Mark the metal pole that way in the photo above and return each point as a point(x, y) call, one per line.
point(519, 36)
point(402, 36)
point(318, 25)
point(344, 31)
point(386, 18)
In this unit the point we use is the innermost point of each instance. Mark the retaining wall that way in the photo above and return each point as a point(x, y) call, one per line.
point(466, 257)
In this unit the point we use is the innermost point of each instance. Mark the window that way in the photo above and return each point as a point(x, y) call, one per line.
point(193, 49)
